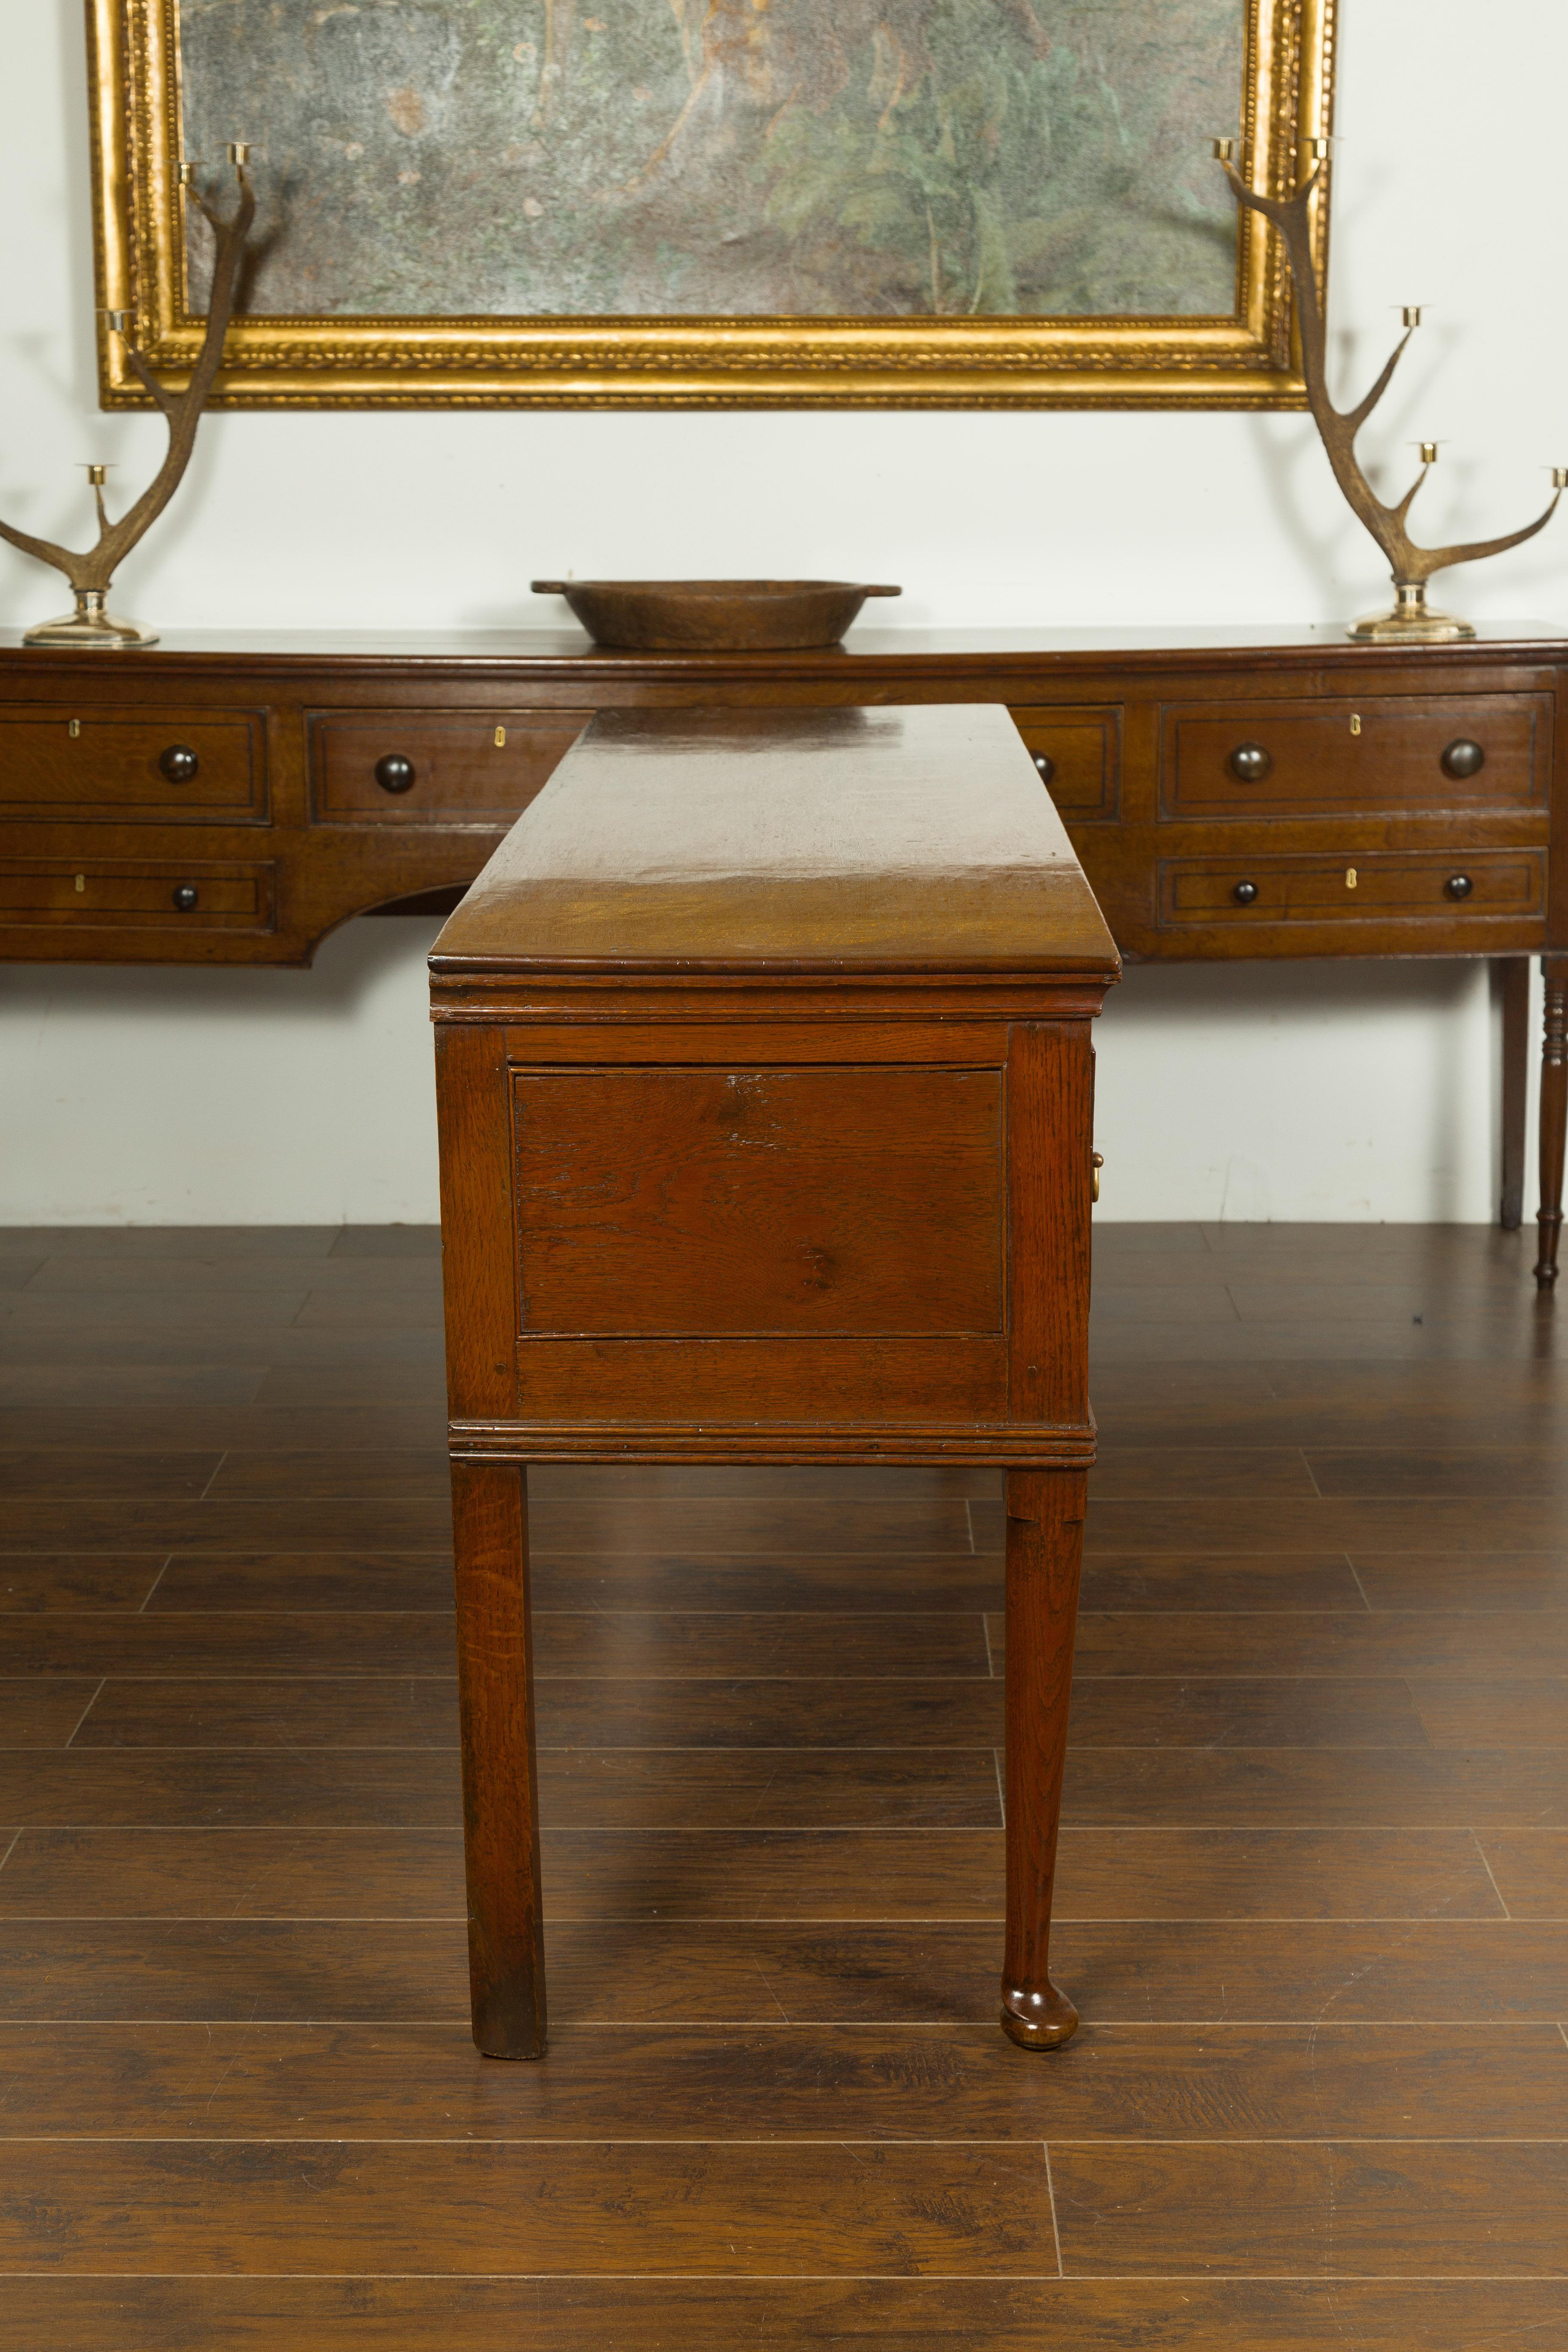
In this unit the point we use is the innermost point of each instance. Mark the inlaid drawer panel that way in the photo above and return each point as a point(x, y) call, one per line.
point(1384, 886)
point(165, 766)
point(136, 894)
point(1384, 753)
point(434, 767)
point(1077, 753)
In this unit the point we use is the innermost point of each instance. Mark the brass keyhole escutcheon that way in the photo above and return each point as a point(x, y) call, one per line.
point(74, 730)
point(1350, 877)
point(81, 881)
point(501, 739)
point(1096, 1162)
point(1355, 723)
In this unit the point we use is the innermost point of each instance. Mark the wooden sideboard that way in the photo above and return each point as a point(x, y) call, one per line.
point(1231, 794)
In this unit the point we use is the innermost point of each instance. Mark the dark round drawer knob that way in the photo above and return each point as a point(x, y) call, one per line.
point(393, 774)
point(1047, 766)
point(1245, 893)
point(1250, 763)
point(179, 764)
point(186, 896)
point(1463, 758)
point(1458, 886)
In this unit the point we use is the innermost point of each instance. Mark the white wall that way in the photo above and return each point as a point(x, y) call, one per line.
point(1331, 1091)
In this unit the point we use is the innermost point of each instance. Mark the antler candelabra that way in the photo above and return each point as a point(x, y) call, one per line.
point(90, 573)
point(1411, 620)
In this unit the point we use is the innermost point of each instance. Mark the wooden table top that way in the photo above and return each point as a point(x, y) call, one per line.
point(872, 839)
point(562, 643)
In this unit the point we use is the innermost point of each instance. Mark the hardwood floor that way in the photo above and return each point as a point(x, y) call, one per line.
point(1312, 1896)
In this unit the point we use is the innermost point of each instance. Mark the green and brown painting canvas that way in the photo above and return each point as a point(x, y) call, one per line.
point(743, 158)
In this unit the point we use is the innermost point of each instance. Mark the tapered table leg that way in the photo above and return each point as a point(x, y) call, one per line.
point(1553, 1114)
point(500, 1775)
point(1513, 978)
point(1045, 1552)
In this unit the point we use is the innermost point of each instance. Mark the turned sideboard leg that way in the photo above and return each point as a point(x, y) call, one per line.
point(500, 1774)
point(1513, 986)
point(1045, 1550)
point(1553, 1114)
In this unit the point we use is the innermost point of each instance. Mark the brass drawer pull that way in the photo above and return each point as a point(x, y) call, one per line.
point(1458, 886)
point(1250, 763)
point(394, 774)
point(1047, 766)
point(1245, 893)
point(1463, 758)
point(179, 764)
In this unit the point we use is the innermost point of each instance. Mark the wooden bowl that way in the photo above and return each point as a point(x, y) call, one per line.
point(713, 615)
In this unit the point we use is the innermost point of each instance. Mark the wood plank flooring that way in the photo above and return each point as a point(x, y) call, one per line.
point(1313, 1889)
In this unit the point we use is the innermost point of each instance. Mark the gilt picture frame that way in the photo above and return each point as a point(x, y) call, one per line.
point(941, 204)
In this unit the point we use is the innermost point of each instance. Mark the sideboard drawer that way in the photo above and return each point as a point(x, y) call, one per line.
point(162, 766)
point(89, 893)
point(1382, 886)
point(1077, 753)
point(1388, 752)
point(434, 767)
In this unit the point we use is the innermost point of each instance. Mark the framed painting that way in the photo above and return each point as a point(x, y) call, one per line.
point(713, 202)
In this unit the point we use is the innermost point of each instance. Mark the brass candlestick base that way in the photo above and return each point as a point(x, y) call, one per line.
point(1412, 622)
point(91, 623)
